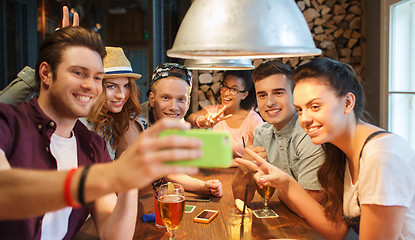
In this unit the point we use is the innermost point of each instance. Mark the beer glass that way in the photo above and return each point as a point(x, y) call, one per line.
point(171, 206)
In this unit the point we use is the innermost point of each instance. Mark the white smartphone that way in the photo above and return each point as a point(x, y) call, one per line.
point(206, 216)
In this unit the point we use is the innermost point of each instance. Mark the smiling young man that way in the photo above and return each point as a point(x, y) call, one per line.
point(286, 144)
point(45, 134)
point(169, 94)
point(169, 97)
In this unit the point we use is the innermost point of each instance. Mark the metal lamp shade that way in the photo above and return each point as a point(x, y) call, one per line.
point(219, 64)
point(229, 29)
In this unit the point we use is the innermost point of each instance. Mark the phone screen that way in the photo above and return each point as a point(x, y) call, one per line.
point(197, 198)
point(216, 148)
point(206, 214)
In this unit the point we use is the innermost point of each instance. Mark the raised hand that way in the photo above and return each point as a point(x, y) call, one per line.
point(65, 18)
point(266, 173)
point(211, 119)
point(258, 150)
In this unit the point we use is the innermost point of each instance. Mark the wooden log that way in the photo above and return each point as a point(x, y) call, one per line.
point(345, 5)
point(351, 42)
point(345, 52)
point(301, 5)
point(315, 5)
point(217, 76)
point(320, 37)
point(347, 33)
point(327, 44)
point(205, 78)
point(325, 10)
point(215, 87)
point(338, 10)
point(338, 19)
point(310, 14)
point(310, 25)
point(356, 34)
point(357, 51)
point(319, 29)
point(331, 53)
point(204, 87)
point(329, 31)
point(211, 96)
point(202, 95)
point(338, 33)
point(355, 23)
point(320, 21)
point(330, 3)
point(294, 61)
point(349, 17)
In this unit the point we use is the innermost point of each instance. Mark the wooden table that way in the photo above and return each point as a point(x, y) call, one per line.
point(286, 226)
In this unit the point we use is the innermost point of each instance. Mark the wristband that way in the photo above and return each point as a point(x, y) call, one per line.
point(81, 187)
point(197, 123)
point(67, 188)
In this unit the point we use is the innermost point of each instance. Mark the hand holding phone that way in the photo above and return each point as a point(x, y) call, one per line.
point(206, 216)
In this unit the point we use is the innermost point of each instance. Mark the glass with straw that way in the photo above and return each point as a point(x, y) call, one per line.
point(158, 223)
point(240, 221)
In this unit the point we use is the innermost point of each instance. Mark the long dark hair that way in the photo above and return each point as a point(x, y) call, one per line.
point(113, 126)
point(246, 76)
point(341, 78)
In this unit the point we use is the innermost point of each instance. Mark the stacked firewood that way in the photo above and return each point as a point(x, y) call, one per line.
point(336, 27)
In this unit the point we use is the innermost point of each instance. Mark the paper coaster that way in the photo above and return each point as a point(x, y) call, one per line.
point(260, 214)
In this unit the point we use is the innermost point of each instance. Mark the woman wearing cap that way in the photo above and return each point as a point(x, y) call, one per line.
point(235, 114)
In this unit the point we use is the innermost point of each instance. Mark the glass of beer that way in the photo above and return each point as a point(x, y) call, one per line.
point(171, 206)
point(265, 193)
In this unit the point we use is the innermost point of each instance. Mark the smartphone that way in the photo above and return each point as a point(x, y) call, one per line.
point(216, 148)
point(197, 198)
point(206, 216)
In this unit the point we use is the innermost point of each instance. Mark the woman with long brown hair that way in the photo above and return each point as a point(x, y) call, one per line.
point(368, 176)
point(115, 116)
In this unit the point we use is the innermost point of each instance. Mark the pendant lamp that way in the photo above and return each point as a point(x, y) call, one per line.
point(234, 29)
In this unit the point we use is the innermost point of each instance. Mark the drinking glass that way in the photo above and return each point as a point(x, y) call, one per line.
point(235, 230)
point(171, 206)
point(159, 223)
point(265, 193)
